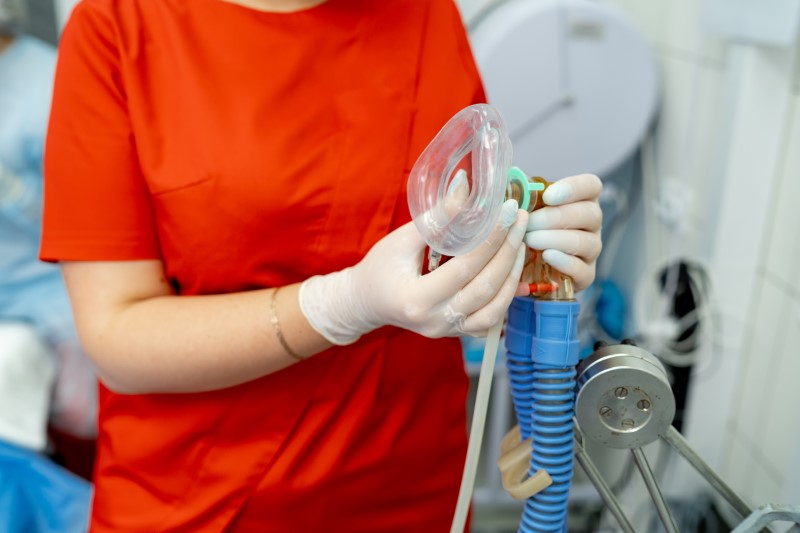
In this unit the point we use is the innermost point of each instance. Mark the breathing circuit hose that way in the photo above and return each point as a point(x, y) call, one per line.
point(542, 351)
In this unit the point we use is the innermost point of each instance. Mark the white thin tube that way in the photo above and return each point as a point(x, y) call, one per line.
point(476, 430)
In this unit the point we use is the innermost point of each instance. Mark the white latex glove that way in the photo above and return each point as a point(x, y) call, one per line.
point(464, 296)
point(568, 230)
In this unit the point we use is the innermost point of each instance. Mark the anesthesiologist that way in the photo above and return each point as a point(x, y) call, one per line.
point(225, 189)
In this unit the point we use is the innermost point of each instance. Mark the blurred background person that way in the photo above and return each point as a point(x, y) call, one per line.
point(45, 379)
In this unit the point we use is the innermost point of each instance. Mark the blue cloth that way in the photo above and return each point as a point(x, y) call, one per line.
point(611, 309)
point(38, 496)
point(30, 290)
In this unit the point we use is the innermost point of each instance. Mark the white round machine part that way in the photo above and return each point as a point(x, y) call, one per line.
point(575, 81)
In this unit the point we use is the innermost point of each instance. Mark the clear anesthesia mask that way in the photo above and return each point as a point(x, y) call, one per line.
point(473, 141)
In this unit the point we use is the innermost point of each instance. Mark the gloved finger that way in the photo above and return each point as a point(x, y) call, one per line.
point(508, 261)
point(457, 194)
point(583, 215)
point(573, 242)
point(573, 189)
point(444, 282)
point(495, 309)
point(403, 247)
point(581, 272)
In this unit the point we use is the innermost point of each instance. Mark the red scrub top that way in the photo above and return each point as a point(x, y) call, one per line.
point(249, 150)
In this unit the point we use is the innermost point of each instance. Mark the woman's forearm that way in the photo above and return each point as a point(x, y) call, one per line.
point(147, 340)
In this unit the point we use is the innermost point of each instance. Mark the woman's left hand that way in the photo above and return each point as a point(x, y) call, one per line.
point(568, 229)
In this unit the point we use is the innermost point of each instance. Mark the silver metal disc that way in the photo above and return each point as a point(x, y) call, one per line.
point(624, 397)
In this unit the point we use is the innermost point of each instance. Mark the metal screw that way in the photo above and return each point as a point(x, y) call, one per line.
point(628, 423)
point(605, 411)
point(621, 392)
point(643, 405)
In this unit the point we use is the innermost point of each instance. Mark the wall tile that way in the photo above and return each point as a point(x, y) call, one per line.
point(647, 14)
point(683, 33)
point(791, 489)
point(740, 469)
point(765, 488)
point(796, 82)
point(760, 355)
point(780, 437)
point(688, 142)
point(783, 245)
point(674, 132)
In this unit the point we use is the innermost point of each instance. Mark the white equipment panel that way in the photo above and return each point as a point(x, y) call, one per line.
point(575, 81)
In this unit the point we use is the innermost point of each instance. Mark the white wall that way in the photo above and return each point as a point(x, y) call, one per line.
point(762, 430)
point(730, 128)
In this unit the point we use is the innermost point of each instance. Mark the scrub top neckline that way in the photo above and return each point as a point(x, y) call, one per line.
point(307, 12)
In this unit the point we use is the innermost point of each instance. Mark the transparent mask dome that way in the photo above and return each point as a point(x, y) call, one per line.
point(474, 141)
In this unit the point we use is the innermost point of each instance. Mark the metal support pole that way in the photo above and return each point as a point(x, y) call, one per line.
point(676, 440)
point(655, 493)
point(602, 488)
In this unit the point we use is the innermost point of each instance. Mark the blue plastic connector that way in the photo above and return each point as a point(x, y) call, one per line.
point(556, 333)
point(544, 331)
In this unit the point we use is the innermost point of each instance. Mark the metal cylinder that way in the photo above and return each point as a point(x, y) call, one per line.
point(624, 397)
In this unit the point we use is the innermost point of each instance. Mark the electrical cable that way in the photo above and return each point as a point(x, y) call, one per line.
point(664, 343)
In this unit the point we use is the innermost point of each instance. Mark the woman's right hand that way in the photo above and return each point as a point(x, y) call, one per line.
point(464, 296)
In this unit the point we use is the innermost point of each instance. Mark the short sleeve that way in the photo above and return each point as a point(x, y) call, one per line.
point(448, 77)
point(96, 203)
point(475, 85)
point(450, 38)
